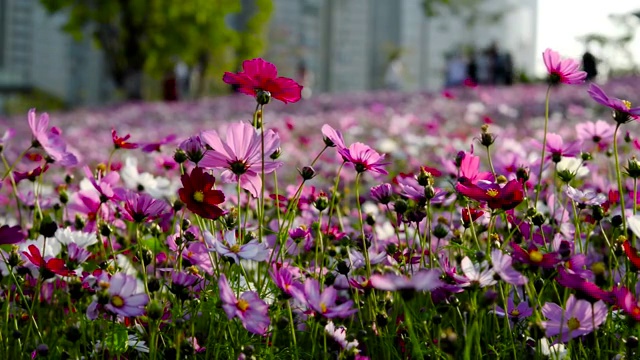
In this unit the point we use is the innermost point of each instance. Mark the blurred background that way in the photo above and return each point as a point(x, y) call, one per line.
point(63, 54)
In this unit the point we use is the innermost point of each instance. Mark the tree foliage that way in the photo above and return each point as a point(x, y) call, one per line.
point(151, 35)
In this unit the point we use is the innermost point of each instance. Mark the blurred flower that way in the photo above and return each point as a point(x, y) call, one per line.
point(199, 195)
point(155, 146)
point(382, 193)
point(241, 155)
point(50, 139)
point(260, 75)
point(121, 142)
point(333, 137)
point(323, 303)
point(502, 264)
point(515, 313)
point(252, 311)
point(477, 274)
point(587, 197)
point(599, 132)
point(565, 71)
point(586, 290)
point(11, 235)
point(578, 318)
point(627, 302)
point(253, 250)
point(423, 280)
point(194, 148)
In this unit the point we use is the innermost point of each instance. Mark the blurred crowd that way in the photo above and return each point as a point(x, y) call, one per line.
point(489, 66)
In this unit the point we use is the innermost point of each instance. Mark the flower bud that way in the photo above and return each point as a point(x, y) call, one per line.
point(522, 174)
point(401, 206)
point(263, 97)
point(307, 173)
point(633, 168)
point(276, 154)
point(180, 156)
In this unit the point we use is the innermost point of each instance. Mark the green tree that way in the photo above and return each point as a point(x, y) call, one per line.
point(148, 36)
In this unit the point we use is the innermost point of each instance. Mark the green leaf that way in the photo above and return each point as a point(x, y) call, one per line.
point(117, 341)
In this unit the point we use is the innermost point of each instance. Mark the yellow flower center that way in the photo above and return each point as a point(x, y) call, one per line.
point(198, 196)
point(242, 305)
point(573, 324)
point(627, 103)
point(535, 256)
point(235, 249)
point(515, 312)
point(117, 301)
point(323, 307)
point(492, 192)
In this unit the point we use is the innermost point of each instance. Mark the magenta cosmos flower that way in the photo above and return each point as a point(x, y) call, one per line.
point(565, 71)
point(11, 235)
point(579, 318)
point(249, 308)
point(502, 264)
point(622, 110)
point(599, 132)
point(364, 158)
point(423, 280)
point(142, 207)
point(241, 155)
point(260, 75)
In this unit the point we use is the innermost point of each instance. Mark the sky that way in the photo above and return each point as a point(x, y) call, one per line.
point(560, 22)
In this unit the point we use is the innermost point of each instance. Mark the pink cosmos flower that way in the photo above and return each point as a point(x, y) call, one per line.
point(470, 169)
point(477, 274)
point(241, 155)
point(155, 146)
point(565, 71)
point(587, 197)
point(50, 139)
point(249, 308)
point(260, 75)
point(253, 250)
point(323, 303)
point(104, 185)
point(364, 158)
point(578, 318)
point(515, 313)
point(599, 132)
point(622, 110)
point(502, 264)
point(627, 302)
point(556, 148)
point(142, 207)
point(126, 297)
point(333, 137)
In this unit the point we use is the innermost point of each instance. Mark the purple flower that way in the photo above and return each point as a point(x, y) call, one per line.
point(477, 274)
point(324, 303)
point(104, 185)
point(142, 207)
point(253, 250)
point(155, 146)
point(565, 71)
point(332, 137)
point(502, 266)
point(579, 318)
point(585, 289)
point(364, 158)
point(241, 155)
point(284, 279)
point(622, 110)
point(515, 313)
point(249, 308)
point(587, 197)
point(11, 235)
point(382, 193)
point(194, 147)
point(556, 148)
point(413, 190)
point(423, 280)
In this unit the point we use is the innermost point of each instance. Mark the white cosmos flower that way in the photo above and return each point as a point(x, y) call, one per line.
point(83, 239)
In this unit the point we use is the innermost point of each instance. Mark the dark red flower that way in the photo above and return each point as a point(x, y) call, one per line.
point(121, 142)
point(504, 197)
point(470, 215)
point(533, 256)
point(11, 235)
point(199, 196)
point(257, 75)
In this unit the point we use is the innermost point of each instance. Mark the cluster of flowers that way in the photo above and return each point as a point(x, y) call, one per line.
point(214, 258)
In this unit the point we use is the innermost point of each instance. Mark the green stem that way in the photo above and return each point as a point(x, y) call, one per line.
point(544, 145)
point(364, 240)
point(619, 177)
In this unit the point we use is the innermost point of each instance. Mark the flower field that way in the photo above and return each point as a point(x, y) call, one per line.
point(480, 222)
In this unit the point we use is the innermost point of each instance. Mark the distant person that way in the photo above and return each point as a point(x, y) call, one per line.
point(589, 65)
point(306, 79)
point(456, 71)
point(472, 69)
point(183, 78)
point(508, 69)
point(483, 65)
point(169, 87)
point(393, 75)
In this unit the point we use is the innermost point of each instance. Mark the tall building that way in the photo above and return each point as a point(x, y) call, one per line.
point(347, 44)
point(35, 53)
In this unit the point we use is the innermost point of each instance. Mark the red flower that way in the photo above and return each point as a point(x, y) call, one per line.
point(534, 257)
point(258, 74)
point(121, 142)
point(632, 253)
point(199, 196)
point(470, 215)
point(504, 197)
point(55, 266)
